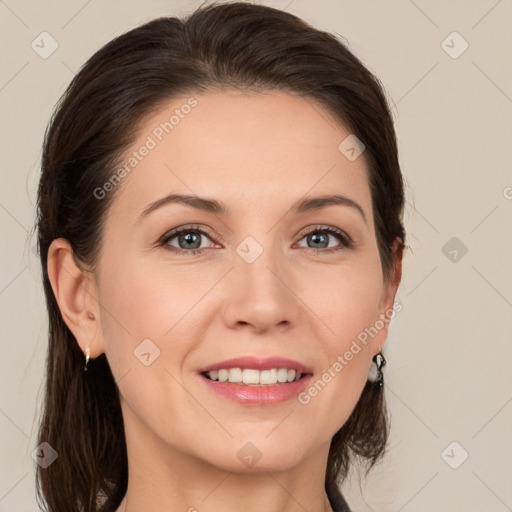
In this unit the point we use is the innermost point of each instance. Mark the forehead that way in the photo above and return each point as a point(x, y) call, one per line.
point(242, 148)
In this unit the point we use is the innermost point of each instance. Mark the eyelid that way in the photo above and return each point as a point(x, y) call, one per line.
point(324, 227)
point(187, 227)
point(345, 240)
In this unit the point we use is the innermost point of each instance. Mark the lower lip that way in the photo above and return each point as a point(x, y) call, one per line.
point(264, 395)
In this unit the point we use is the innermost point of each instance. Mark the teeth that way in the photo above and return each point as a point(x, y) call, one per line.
point(235, 375)
point(268, 376)
point(282, 375)
point(252, 377)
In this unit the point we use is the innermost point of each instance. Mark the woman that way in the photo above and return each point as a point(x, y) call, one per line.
point(243, 371)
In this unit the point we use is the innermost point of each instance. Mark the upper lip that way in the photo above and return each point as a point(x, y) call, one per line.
point(256, 363)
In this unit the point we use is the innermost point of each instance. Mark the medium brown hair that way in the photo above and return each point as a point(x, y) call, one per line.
point(237, 45)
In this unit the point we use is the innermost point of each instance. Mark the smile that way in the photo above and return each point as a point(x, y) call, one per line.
point(252, 377)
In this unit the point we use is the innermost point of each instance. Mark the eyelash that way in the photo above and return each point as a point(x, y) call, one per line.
point(346, 241)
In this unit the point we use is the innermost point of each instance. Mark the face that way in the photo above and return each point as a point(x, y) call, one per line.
point(262, 279)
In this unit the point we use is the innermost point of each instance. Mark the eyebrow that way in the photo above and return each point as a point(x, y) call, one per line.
point(218, 207)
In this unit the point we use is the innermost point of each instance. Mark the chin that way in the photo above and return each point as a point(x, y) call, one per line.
point(259, 454)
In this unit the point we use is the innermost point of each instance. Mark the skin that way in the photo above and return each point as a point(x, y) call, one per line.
point(258, 153)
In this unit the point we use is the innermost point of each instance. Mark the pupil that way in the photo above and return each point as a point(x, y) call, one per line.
point(315, 237)
point(187, 238)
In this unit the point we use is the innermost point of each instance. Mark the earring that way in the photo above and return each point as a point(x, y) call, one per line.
point(375, 375)
point(88, 348)
point(87, 356)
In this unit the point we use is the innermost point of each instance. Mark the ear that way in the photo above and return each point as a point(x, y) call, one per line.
point(76, 296)
point(387, 308)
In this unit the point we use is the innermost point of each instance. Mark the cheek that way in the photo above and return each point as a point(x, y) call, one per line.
point(347, 303)
point(131, 313)
point(142, 303)
point(347, 307)
point(146, 300)
point(345, 300)
point(145, 311)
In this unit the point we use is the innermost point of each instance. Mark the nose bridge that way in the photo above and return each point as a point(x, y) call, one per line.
point(262, 295)
point(261, 269)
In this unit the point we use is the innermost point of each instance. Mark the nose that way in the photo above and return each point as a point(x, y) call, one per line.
point(261, 295)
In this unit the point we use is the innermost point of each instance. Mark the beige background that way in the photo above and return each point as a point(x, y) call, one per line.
point(449, 353)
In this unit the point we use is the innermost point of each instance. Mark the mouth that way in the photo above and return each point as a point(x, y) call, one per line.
point(257, 382)
point(254, 377)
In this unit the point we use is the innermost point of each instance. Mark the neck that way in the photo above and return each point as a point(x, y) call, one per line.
point(163, 478)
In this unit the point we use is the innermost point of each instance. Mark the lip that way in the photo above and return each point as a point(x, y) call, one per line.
point(255, 363)
point(258, 396)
